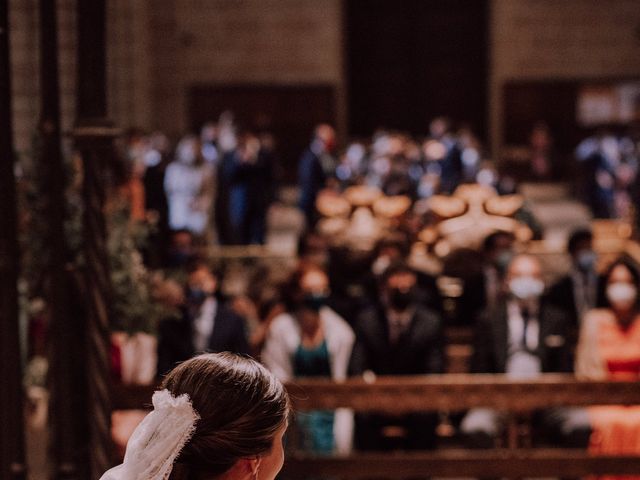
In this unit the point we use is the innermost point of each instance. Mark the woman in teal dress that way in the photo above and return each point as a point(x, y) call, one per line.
point(311, 340)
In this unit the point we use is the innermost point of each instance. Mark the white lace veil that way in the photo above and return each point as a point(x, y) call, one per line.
point(157, 441)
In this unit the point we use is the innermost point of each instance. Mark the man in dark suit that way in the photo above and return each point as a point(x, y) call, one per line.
point(481, 291)
point(206, 325)
point(577, 291)
point(315, 165)
point(397, 337)
point(524, 336)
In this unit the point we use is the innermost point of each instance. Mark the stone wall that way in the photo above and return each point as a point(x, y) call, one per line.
point(156, 52)
point(241, 41)
point(560, 39)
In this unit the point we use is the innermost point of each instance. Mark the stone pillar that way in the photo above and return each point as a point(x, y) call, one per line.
point(94, 136)
point(12, 462)
point(69, 446)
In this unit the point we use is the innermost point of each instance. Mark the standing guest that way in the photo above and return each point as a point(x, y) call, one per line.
point(206, 324)
point(311, 340)
point(209, 142)
point(156, 159)
point(216, 416)
point(397, 337)
point(577, 292)
point(188, 184)
point(609, 348)
point(451, 162)
point(316, 164)
point(542, 152)
point(248, 173)
point(523, 336)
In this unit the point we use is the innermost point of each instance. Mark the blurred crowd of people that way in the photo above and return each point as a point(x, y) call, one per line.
point(337, 312)
point(584, 322)
point(609, 164)
point(217, 186)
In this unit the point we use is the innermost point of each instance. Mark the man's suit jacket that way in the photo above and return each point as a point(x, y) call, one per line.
point(492, 340)
point(419, 348)
point(175, 338)
point(562, 295)
point(311, 179)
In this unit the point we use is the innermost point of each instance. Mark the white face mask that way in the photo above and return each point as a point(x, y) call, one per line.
point(380, 265)
point(621, 294)
point(526, 288)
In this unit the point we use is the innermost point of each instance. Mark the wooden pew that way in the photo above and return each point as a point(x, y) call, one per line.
point(397, 395)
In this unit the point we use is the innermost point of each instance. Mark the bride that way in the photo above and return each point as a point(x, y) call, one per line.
point(216, 417)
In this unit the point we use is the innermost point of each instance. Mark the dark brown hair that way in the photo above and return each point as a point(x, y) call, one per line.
point(241, 407)
point(292, 291)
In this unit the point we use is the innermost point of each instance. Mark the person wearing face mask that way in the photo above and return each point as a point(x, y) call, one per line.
point(482, 291)
point(523, 336)
point(206, 324)
point(395, 249)
point(609, 348)
point(398, 336)
point(576, 293)
point(311, 340)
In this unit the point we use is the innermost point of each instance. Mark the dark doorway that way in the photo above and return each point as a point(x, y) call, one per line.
point(412, 60)
point(289, 112)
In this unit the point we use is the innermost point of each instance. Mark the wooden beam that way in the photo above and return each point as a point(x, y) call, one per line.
point(454, 392)
point(451, 392)
point(461, 463)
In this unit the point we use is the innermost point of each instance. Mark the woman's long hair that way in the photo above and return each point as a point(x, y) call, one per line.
point(241, 407)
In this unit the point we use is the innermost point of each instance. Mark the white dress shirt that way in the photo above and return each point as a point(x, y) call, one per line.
point(522, 361)
point(203, 324)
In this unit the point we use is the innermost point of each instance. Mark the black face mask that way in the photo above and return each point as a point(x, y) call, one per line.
point(314, 301)
point(197, 296)
point(400, 299)
point(178, 258)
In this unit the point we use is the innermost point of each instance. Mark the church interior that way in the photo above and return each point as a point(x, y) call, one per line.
point(421, 216)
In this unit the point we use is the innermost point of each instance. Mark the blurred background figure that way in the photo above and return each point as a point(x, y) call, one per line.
point(311, 340)
point(397, 336)
point(316, 166)
point(206, 324)
point(609, 348)
point(483, 290)
point(247, 173)
point(523, 335)
point(209, 142)
point(577, 291)
point(542, 154)
point(188, 185)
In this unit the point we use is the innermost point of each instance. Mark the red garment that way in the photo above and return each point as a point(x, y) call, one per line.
point(616, 429)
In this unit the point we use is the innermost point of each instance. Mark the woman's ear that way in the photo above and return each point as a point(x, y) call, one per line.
point(254, 465)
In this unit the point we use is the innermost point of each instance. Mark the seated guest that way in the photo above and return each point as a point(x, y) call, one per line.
point(482, 291)
point(206, 325)
point(523, 336)
point(609, 348)
point(577, 292)
point(398, 336)
point(396, 249)
point(311, 340)
point(181, 250)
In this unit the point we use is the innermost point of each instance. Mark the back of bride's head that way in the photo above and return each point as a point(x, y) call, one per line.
point(243, 413)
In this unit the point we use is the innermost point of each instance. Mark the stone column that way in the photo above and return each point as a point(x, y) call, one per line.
point(94, 136)
point(12, 462)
